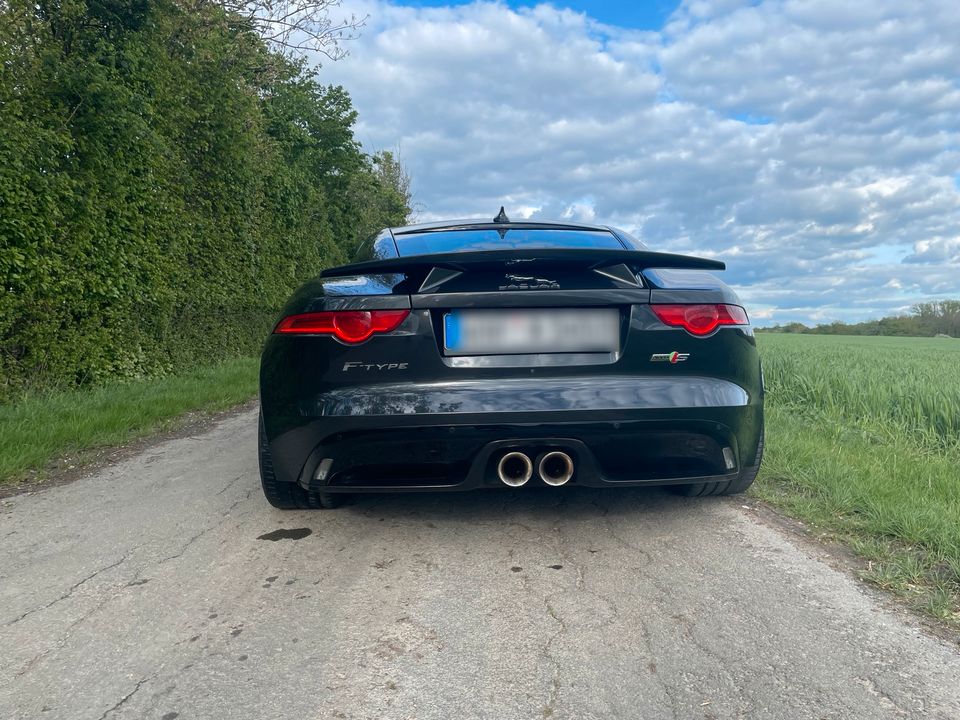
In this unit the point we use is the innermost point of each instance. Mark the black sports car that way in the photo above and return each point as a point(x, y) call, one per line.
point(482, 354)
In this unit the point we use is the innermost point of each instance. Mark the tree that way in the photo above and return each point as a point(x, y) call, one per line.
point(297, 26)
point(939, 316)
point(383, 192)
point(160, 193)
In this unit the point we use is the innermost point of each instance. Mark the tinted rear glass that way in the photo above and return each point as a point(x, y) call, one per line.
point(447, 241)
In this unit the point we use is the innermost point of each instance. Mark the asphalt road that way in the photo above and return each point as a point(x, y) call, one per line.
point(144, 592)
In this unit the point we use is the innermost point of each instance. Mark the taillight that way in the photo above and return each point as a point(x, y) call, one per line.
point(700, 319)
point(351, 326)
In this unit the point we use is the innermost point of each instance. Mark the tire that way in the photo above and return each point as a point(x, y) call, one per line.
point(287, 495)
point(729, 487)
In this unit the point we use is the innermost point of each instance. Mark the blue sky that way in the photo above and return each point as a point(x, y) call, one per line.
point(641, 15)
point(814, 145)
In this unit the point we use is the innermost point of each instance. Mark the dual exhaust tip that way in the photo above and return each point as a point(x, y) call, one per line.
point(516, 468)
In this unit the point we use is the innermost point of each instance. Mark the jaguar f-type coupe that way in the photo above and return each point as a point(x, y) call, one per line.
point(497, 354)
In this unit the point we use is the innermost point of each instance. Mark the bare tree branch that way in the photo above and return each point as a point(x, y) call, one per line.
point(296, 27)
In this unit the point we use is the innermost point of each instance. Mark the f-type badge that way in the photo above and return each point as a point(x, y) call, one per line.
point(672, 357)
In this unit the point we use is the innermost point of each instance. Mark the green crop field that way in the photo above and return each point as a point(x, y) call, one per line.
point(864, 442)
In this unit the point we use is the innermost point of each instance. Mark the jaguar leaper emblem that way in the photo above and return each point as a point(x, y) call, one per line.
point(526, 282)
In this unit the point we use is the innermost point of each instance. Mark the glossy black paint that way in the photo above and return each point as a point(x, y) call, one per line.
point(394, 413)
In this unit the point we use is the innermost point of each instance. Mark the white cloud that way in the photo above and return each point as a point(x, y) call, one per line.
point(938, 251)
point(813, 145)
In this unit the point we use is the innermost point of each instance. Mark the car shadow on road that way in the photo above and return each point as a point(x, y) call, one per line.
point(566, 503)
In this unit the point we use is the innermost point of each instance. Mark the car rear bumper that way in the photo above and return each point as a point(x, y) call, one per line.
point(448, 436)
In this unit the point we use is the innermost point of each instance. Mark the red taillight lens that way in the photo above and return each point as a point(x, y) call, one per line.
point(351, 326)
point(700, 319)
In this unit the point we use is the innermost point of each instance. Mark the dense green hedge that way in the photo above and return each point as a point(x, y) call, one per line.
point(165, 181)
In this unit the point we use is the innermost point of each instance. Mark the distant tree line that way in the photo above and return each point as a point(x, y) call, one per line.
point(941, 317)
point(167, 175)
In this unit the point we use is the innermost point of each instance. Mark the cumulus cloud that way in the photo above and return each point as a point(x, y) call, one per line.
point(812, 144)
point(937, 250)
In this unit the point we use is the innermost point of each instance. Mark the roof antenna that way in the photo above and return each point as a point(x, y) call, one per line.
point(501, 217)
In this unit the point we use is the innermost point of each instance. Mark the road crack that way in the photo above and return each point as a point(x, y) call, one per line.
point(126, 697)
point(547, 654)
point(229, 485)
point(73, 588)
point(205, 530)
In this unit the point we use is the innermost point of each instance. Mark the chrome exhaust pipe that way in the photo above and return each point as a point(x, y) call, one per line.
point(555, 468)
point(514, 469)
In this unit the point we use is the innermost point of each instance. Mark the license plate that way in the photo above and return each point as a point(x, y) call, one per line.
point(513, 331)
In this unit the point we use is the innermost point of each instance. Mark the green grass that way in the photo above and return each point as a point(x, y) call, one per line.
point(37, 429)
point(863, 441)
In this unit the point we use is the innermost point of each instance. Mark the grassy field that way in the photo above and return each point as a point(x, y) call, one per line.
point(40, 428)
point(864, 442)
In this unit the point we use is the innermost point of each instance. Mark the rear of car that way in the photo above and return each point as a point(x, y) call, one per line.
point(476, 355)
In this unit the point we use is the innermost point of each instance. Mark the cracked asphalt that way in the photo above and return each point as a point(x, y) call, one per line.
point(144, 591)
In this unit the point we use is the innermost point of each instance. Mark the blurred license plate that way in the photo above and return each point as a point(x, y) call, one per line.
point(507, 332)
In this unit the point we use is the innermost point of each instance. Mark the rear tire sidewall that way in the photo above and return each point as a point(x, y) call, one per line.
point(730, 487)
point(287, 495)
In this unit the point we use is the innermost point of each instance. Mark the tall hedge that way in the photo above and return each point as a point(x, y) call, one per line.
point(165, 181)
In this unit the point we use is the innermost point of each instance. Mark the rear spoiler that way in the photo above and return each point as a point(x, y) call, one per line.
point(493, 259)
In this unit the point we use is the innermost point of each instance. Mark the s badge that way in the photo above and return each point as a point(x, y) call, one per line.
point(672, 357)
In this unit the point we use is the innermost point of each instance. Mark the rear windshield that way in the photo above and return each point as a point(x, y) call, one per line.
point(447, 241)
